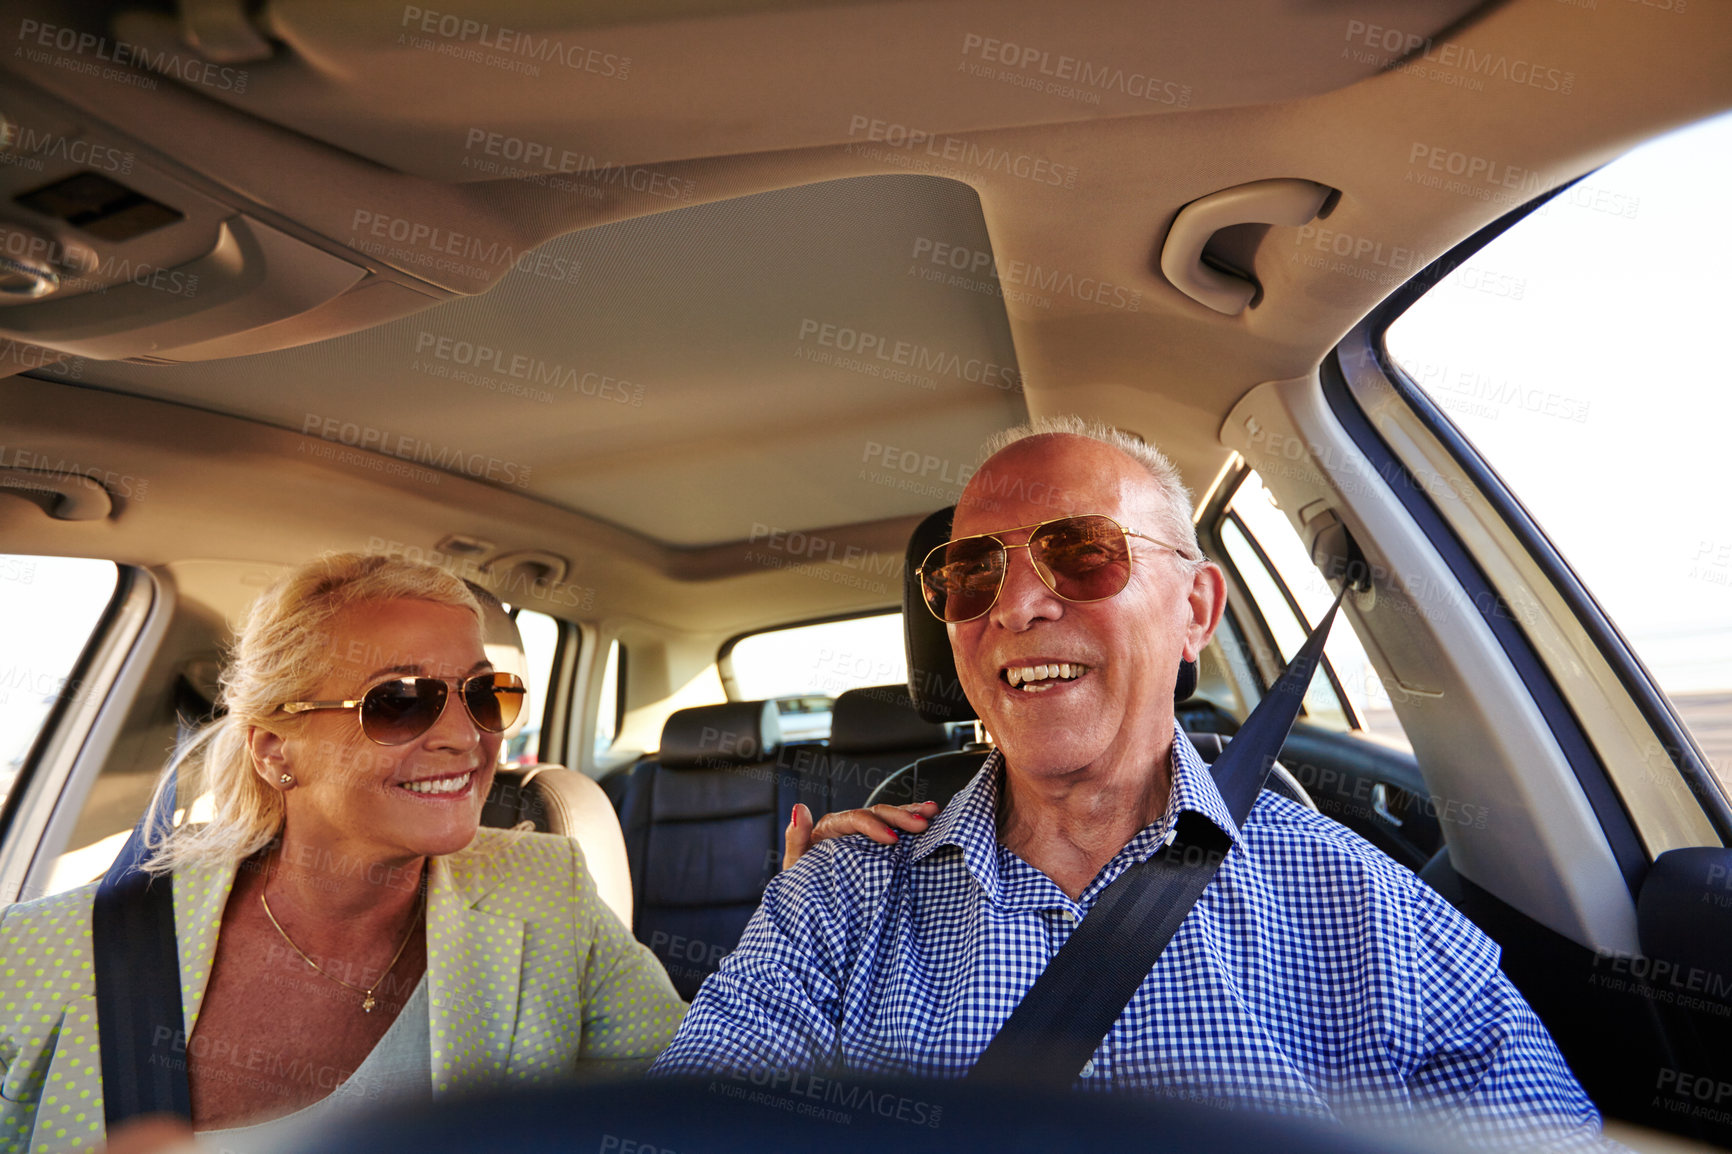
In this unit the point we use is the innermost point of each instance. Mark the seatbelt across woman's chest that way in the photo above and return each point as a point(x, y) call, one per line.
point(136, 961)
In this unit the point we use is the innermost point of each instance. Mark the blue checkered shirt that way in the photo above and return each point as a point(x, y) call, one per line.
point(1314, 976)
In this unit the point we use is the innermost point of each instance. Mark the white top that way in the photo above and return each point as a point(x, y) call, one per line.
point(398, 1068)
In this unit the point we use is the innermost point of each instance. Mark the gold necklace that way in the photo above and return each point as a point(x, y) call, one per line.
point(367, 1000)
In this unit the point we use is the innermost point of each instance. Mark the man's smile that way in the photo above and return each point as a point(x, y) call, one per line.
point(1037, 677)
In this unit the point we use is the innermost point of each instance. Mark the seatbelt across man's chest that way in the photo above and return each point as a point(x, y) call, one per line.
point(1061, 1021)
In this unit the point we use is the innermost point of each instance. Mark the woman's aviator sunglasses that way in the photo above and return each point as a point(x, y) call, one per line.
point(1083, 558)
point(402, 709)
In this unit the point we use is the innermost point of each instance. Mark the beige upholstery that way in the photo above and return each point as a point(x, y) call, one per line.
point(575, 805)
point(577, 808)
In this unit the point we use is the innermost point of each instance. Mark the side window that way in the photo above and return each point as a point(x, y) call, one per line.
point(1292, 596)
point(1224, 675)
point(49, 606)
point(1322, 703)
point(610, 706)
point(540, 645)
point(1582, 353)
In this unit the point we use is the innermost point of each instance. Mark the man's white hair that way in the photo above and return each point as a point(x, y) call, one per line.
point(1175, 524)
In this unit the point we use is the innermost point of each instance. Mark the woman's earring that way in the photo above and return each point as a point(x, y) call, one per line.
point(287, 781)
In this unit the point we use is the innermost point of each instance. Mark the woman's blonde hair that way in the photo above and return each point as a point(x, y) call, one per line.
point(283, 651)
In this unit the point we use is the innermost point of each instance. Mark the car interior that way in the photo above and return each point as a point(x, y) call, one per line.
point(673, 325)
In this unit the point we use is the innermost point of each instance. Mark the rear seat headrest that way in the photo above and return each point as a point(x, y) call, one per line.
point(880, 718)
point(932, 682)
point(503, 644)
point(714, 736)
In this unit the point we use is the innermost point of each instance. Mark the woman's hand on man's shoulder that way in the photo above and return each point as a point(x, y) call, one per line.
point(880, 823)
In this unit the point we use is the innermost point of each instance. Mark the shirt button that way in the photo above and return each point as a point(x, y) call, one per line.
point(1088, 1070)
point(1069, 916)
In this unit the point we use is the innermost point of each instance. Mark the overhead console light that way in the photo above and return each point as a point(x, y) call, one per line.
point(1283, 202)
point(32, 263)
point(253, 277)
point(23, 279)
point(106, 209)
point(119, 255)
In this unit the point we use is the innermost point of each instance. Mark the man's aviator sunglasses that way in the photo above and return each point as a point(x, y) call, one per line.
point(1084, 558)
point(402, 709)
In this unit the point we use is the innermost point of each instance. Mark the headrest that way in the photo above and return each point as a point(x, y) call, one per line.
point(880, 718)
point(716, 736)
point(1670, 921)
point(932, 681)
point(503, 644)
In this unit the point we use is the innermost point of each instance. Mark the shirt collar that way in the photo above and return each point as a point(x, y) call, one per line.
point(969, 820)
point(1194, 788)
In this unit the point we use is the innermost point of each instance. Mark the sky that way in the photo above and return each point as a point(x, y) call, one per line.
point(48, 606)
point(1617, 345)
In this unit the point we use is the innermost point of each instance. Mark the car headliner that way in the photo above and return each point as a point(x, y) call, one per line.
point(805, 211)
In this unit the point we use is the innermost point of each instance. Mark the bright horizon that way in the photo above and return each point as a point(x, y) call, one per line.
point(1602, 395)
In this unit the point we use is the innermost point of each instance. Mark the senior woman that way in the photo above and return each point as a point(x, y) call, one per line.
point(346, 930)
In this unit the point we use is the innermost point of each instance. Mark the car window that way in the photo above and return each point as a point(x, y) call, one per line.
point(610, 707)
point(1322, 703)
point(1224, 675)
point(540, 635)
point(805, 666)
point(49, 607)
point(1278, 573)
point(1581, 353)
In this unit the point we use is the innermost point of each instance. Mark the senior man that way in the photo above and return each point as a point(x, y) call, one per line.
point(1313, 976)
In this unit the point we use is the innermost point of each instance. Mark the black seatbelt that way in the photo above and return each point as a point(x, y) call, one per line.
point(137, 965)
point(1060, 1022)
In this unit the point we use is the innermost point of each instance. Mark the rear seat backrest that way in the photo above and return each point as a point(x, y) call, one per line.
point(703, 823)
point(558, 800)
point(940, 778)
point(873, 733)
